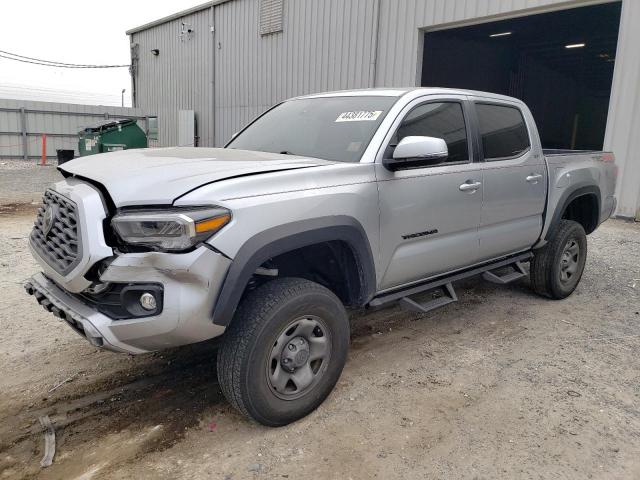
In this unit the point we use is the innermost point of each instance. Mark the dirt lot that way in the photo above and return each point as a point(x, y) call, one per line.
point(502, 384)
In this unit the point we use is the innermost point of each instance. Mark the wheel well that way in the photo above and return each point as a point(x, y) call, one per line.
point(584, 210)
point(332, 264)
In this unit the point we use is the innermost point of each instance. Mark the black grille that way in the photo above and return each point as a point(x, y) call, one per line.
point(59, 246)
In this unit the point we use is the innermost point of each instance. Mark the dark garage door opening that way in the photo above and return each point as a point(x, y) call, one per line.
point(559, 63)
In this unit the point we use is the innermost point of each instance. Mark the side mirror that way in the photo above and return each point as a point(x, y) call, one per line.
point(414, 152)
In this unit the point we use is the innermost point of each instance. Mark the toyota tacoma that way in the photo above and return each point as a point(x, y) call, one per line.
point(351, 199)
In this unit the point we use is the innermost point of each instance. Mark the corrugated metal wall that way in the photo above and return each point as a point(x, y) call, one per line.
point(180, 77)
point(333, 44)
point(623, 122)
point(402, 23)
point(325, 45)
point(399, 63)
point(60, 121)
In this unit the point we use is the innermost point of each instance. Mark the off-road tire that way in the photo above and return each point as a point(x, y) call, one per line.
point(547, 262)
point(246, 348)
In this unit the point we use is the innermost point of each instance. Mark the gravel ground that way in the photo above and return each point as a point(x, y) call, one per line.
point(502, 384)
point(23, 181)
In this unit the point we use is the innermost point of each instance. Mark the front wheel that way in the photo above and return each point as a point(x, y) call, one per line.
point(557, 267)
point(284, 351)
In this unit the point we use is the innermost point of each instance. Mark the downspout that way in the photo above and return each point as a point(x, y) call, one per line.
point(376, 31)
point(133, 52)
point(213, 76)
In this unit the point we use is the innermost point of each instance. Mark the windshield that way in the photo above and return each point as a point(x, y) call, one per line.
point(331, 128)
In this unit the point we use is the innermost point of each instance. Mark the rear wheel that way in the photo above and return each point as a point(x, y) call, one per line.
point(284, 351)
point(556, 268)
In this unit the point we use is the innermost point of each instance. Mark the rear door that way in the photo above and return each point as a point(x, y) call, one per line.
point(515, 178)
point(429, 216)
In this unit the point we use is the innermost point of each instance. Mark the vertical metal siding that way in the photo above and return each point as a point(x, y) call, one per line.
point(401, 27)
point(339, 44)
point(623, 122)
point(324, 45)
point(180, 77)
point(403, 22)
point(10, 145)
point(41, 117)
point(327, 45)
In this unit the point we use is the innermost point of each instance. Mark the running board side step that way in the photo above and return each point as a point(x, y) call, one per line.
point(518, 273)
point(402, 293)
point(448, 296)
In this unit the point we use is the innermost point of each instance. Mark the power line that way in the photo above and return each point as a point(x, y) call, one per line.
point(49, 63)
point(40, 60)
point(61, 66)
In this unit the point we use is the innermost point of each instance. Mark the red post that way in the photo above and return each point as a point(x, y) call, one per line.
point(44, 149)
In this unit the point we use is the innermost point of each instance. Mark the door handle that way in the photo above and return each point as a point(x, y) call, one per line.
point(534, 178)
point(469, 186)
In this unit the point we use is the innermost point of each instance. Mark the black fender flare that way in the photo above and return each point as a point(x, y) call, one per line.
point(569, 196)
point(285, 238)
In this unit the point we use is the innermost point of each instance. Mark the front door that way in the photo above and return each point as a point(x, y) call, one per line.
point(429, 216)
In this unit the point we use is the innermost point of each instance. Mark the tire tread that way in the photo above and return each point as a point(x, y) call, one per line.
point(542, 263)
point(250, 316)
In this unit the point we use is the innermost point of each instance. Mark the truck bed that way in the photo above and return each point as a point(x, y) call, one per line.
point(586, 171)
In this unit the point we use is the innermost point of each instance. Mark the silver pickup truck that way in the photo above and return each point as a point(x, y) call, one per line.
point(345, 199)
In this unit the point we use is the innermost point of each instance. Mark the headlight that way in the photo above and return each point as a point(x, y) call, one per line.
point(171, 229)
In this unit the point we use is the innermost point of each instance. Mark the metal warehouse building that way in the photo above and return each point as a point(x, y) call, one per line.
point(209, 70)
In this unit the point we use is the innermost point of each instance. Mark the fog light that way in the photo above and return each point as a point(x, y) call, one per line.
point(148, 301)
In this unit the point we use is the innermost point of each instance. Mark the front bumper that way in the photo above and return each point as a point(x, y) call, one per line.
point(191, 283)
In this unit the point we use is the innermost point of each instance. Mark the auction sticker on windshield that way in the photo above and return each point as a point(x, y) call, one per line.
point(361, 116)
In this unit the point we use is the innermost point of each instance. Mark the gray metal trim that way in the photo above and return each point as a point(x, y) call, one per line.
point(28, 157)
point(23, 127)
point(174, 16)
point(38, 134)
point(106, 115)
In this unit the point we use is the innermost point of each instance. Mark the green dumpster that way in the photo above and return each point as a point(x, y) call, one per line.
point(112, 136)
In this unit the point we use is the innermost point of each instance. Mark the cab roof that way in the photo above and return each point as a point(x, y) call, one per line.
point(398, 92)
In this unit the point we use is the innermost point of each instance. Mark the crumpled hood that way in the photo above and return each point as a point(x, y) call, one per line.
point(160, 175)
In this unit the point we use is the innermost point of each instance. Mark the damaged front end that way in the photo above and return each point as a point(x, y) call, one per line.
point(127, 302)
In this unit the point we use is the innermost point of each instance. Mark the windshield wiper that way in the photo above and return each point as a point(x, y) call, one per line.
point(286, 152)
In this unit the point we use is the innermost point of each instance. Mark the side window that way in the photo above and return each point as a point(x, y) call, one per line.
point(440, 120)
point(502, 130)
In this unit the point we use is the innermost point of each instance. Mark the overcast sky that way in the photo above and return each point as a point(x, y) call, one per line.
point(73, 31)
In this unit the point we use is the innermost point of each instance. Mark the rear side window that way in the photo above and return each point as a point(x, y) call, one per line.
point(502, 130)
point(440, 120)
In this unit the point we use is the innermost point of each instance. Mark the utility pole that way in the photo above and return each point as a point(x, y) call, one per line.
point(123, 90)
